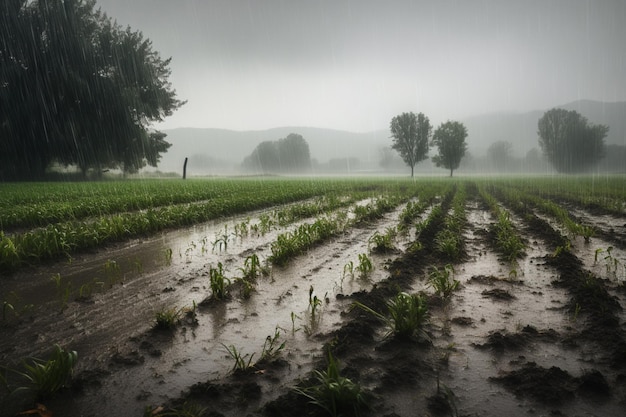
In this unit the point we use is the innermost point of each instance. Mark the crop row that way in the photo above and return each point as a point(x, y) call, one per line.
point(35, 205)
point(307, 235)
point(65, 238)
point(508, 242)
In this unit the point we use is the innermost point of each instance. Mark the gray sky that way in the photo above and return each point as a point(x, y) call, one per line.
point(353, 65)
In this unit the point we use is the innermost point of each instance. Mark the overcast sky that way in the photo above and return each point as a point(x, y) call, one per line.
point(353, 65)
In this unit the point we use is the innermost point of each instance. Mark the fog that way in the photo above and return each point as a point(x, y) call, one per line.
point(353, 65)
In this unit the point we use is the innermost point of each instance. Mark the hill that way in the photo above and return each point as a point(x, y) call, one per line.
point(213, 151)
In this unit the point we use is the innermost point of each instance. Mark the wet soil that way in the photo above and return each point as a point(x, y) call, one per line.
point(544, 336)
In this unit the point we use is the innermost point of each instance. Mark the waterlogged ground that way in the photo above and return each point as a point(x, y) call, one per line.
point(514, 339)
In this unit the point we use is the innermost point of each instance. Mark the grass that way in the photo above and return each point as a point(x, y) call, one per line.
point(406, 315)
point(336, 394)
point(442, 281)
point(46, 377)
point(242, 363)
point(218, 282)
point(167, 318)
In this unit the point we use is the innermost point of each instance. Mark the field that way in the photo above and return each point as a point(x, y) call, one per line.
point(279, 297)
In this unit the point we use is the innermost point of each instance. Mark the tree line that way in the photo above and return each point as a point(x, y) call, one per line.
point(568, 141)
point(77, 89)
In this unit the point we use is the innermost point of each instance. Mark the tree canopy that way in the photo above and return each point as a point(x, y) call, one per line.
point(410, 134)
point(77, 89)
point(450, 141)
point(286, 155)
point(569, 142)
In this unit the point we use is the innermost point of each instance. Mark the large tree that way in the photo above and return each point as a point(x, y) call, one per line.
point(569, 142)
point(78, 89)
point(410, 134)
point(286, 155)
point(450, 141)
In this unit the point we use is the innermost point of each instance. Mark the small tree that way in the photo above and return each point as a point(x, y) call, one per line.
point(450, 139)
point(410, 134)
point(569, 142)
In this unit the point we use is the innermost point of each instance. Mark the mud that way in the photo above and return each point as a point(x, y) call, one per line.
point(543, 336)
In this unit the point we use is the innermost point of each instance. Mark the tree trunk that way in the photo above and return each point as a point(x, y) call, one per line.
point(185, 169)
point(451, 172)
point(412, 167)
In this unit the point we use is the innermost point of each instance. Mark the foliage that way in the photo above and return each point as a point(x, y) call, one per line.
point(78, 89)
point(450, 140)
point(410, 134)
point(272, 346)
point(287, 155)
point(167, 318)
point(365, 265)
point(334, 393)
point(407, 314)
point(569, 142)
point(442, 281)
point(241, 362)
point(383, 242)
point(45, 378)
point(218, 281)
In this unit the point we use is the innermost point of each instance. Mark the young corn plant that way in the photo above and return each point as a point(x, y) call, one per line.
point(442, 281)
point(242, 363)
point(348, 269)
point(365, 265)
point(219, 282)
point(314, 303)
point(336, 394)
point(45, 378)
point(383, 243)
point(407, 314)
point(167, 318)
point(272, 346)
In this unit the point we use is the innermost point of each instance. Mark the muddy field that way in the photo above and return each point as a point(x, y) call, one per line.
point(542, 335)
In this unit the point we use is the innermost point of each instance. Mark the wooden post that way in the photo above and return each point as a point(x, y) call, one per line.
point(185, 169)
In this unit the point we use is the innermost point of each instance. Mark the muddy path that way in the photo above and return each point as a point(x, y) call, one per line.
point(123, 357)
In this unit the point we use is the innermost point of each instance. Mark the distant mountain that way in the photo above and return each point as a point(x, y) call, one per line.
point(213, 151)
point(521, 129)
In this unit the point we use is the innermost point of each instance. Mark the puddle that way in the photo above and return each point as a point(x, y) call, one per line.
point(171, 270)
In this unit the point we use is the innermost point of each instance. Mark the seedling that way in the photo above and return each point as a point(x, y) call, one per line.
point(365, 265)
point(407, 315)
point(220, 242)
point(314, 303)
point(271, 348)
point(242, 362)
point(334, 393)
point(294, 316)
point(348, 269)
point(167, 253)
point(219, 282)
point(167, 318)
point(246, 287)
point(252, 267)
point(7, 307)
point(383, 242)
point(47, 377)
point(443, 282)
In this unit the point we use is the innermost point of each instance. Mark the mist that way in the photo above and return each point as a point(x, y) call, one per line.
point(354, 65)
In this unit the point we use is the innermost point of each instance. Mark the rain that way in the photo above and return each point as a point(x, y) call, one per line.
point(218, 207)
